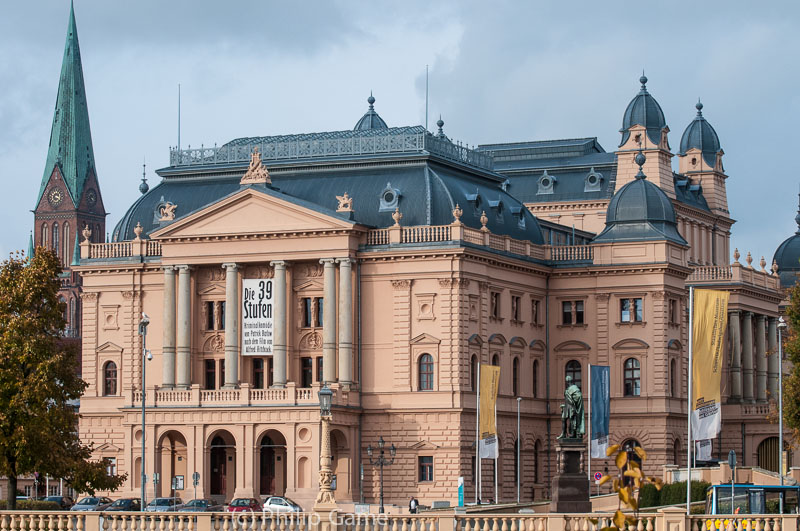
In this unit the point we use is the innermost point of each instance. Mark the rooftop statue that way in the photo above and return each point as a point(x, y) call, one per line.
point(572, 422)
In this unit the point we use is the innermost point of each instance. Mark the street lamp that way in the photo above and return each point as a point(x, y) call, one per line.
point(325, 496)
point(143, 332)
point(781, 328)
point(381, 461)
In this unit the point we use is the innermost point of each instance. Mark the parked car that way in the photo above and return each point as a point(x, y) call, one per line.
point(244, 504)
point(200, 505)
point(281, 504)
point(163, 505)
point(65, 502)
point(126, 504)
point(92, 503)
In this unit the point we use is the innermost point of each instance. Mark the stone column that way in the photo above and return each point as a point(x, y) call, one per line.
point(329, 321)
point(761, 358)
point(279, 309)
point(231, 326)
point(774, 364)
point(345, 321)
point(736, 356)
point(747, 356)
point(184, 334)
point(168, 350)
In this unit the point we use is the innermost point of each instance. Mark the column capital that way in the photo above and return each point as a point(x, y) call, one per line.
point(345, 260)
point(734, 312)
point(182, 268)
point(279, 264)
point(761, 317)
point(327, 261)
point(168, 268)
point(747, 314)
point(231, 267)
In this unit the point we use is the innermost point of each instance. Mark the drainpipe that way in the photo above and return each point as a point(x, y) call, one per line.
point(360, 383)
point(547, 372)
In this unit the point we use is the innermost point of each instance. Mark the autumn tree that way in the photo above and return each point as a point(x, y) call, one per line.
point(39, 383)
point(791, 347)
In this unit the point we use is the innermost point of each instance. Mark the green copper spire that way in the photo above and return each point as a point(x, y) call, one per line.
point(70, 138)
point(76, 252)
point(30, 247)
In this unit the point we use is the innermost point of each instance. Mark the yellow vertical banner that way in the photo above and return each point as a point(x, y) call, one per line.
point(489, 384)
point(710, 317)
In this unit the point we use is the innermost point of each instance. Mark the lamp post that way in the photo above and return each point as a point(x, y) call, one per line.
point(781, 328)
point(381, 461)
point(143, 332)
point(519, 445)
point(325, 495)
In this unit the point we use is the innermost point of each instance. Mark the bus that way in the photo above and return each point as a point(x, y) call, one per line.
point(746, 498)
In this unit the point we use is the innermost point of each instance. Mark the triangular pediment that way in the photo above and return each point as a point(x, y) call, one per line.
point(252, 211)
point(108, 346)
point(425, 339)
point(107, 447)
point(214, 289)
point(424, 445)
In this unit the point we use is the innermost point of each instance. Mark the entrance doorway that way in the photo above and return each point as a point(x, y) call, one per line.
point(272, 464)
point(222, 465)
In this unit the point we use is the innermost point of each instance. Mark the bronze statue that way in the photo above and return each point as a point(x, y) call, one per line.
point(572, 422)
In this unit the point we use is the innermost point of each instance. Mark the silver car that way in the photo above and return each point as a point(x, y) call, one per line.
point(281, 504)
point(163, 505)
point(92, 503)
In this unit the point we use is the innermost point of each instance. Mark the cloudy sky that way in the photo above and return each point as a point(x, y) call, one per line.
point(499, 71)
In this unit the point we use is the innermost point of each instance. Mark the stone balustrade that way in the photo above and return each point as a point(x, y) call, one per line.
point(734, 273)
point(242, 396)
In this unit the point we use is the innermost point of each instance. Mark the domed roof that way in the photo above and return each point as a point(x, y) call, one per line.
point(699, 134)
point(643, 110)
point(788, 257)
point(371, 119)
point(640, 210)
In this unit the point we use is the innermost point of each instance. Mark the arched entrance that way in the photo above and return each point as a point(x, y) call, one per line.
point(171, 460)
point(768, 456)
point(340, 457)
point(222, 465)
point(272, 463)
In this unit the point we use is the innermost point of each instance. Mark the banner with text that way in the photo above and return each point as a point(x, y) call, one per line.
point(490, 381)
point(257, 317)
point(601, 409)
point(708, 336)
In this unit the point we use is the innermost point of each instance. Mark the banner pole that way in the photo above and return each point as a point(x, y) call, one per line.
point(478, 436)
point(589, 439)
point(497, 454)
point(689, 407)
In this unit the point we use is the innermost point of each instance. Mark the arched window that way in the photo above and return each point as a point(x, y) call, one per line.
point(72, 315)
point(537, 450)
point(67, 250)
point(496, 360)
point(515, 376)
point(55, 237)
point(628, 446)
point(535, 378)
point(110, 379)
point(633, 384)
point(43, 243)
point(426, 372)
point(473, 373)
point(573, 368)
point(673, 378)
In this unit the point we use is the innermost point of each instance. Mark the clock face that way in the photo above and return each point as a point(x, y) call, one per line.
point(91, 197)
point(56, 196)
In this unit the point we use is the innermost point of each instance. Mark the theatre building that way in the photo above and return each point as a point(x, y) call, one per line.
point(387, 262)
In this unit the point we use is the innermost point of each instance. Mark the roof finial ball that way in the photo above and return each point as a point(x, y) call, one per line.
point(643, 80)
point(699, 107)
point(640, 159)
point(371, 100)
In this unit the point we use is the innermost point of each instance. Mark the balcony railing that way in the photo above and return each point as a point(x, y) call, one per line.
point(244, 396)
point(735, 273)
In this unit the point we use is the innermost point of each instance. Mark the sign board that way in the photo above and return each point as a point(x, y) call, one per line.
point(257, 317)
point(597, 476)
point(196, 478)
point(177, 483)
point(461, 491)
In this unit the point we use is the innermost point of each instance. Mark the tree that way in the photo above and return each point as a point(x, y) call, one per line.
point(39, 381)
point(791, 382)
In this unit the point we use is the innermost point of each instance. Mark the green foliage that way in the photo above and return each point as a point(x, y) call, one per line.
point(675, 493)
point(32, 505)
point(38, 380)
point(649, 496)
point(791, 347)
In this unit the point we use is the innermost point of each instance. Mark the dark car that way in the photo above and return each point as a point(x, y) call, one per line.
point(163, 505)
point(65, 502)
point(200, 505)
point(125, 504)
point(238, 505)
point(92, 503)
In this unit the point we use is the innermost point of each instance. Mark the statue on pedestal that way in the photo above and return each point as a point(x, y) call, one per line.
point(573, 425)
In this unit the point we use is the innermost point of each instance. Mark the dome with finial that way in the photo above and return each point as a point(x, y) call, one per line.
point(643, 110)
point(787, 256)
point(440, 125)
point(639, 211)
point(699, 134)
point(371, 119)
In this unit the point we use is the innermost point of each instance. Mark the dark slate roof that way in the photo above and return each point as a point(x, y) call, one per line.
point(689, 193)
point(370, 120)
point(428, 191)
point(640, 211)
point(542, 149)
point(643, 110)
point(70, 137)
point(787, 256)
point(699, 134)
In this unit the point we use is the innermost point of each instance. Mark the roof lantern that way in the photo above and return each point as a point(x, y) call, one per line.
point(787, 256)
point(371, 119)
point(643, 110)
point(699, 134)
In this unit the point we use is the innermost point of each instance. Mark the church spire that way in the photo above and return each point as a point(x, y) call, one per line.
point(70, 137)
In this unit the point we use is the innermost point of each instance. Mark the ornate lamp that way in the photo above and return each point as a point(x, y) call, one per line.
point(325, 400)
point(325, 497)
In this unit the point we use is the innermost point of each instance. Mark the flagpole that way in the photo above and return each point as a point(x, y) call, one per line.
point(589, 456)
point(689, 408)
point(496, 455)
point(478, 437)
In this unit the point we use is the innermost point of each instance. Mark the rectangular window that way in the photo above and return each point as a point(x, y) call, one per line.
point(319, 369)
point(673, 311)
point(222, 315)
point(572, 313)
point(535, 311)
point(270, 366)
point(221, 373)
point(515, 306)
point(426, 468)
point(258, 373)
point(215, 315)
point(211, 374)
point(307, 312)
point(111, 466)
point(209, 315)
point(320, 312)
point(306, 369)
point(494, 305)
point(631, 310)
point(578, 312)
point(566, 313)
point(29, 491)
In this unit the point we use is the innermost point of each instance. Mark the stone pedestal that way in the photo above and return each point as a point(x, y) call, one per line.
point(570, 486)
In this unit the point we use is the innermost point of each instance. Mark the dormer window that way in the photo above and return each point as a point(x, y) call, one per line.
point(389, 199)
point(519, 215)
point(593, 181)
point(476, 201)
point(546, 184)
